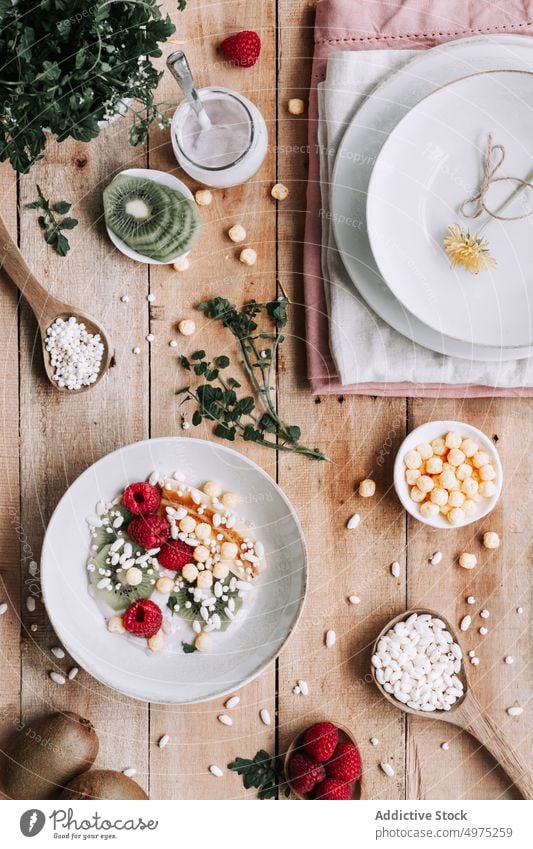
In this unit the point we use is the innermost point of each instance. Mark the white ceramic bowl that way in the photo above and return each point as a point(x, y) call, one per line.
point(165, 180)
point(427, 433)
point(170, 676)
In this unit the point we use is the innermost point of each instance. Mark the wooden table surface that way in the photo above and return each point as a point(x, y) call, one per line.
point(49, 438)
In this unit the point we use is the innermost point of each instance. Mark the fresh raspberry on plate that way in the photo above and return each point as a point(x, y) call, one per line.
point(141, 498)
point(242, 49)
point(320, 741)
point(305, 773)
point(143, 618)
point(175, 554)
point(345, 763)
point(332, 790)
point(149, 531)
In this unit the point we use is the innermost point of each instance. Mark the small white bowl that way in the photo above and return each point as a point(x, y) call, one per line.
point(165, 180)
point(427, 433)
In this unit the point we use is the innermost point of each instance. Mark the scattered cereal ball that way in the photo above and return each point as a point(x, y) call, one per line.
point(470, 487)
point(425, 483)
point(203, 531)
point(164, 585)
point(456, 499)
point(439, 496)
point(367, 488)
point(116, 625)
point(187, 524)
point(221, 570)
point(212, 488)
point(200, 553)
point(134, 576)
point(279, 191)
point(491, 539)
point(456, 516)
point(229, 550)
point(296, 106)
point(205, 579)
point(237, 233)
point(203, 197)
point(469, 507)
point(439, 446)
point(429, 510)
point(447, 480)
point(487, 473)
point(434, 466)
point(203, 642)
point(230, 499)
point(488, 489)
point(181, 264)
point(156, 642)
point(453, 440)
point(456, 457)
point(481, 458)
point(248, 256)
point(425, 450)
point(190, 572)
point(469, 447)
point(413, 460)
point(411, 476)
point(467, 561)
point(417, 495)
point(464, 471)
point(187, 327)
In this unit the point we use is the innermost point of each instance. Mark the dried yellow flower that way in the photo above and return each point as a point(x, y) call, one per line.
point(468, 251)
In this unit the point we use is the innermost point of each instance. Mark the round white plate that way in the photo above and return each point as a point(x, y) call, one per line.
point(245, 648)
point(165, 180)
point(359, 148)
point(429, 165)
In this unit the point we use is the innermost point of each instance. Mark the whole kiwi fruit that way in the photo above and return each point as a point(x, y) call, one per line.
point(103, 784)
point(46, 753)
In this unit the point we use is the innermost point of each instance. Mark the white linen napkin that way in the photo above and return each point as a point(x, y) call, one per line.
point(364, 347)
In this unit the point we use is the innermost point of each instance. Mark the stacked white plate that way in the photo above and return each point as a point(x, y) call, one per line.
point(424, 135)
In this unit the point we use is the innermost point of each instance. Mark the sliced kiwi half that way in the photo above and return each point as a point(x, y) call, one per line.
point(176, 603)
point(125, 595)
point(154, 220)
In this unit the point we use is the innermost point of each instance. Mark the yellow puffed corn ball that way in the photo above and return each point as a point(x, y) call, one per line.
point(469, 447)
point(434, 466)
point(413, 460)
point(456, 516)
point(487, 473)
point(467, 561)
point(425, 483)
point(469, 507)
point(429, 510)
point(453, 440)
point(488, 489)
point(411, 476)
point(367, 488)
point(425, 450)
point(417, 495)
point(456, 457)
point(470, 487)
point(464, 471)
point(447, 467)
point(447, 480)
point(439, 446)
point(481, 458)
point(439, 496)
point(491, 540)
point(456, 499)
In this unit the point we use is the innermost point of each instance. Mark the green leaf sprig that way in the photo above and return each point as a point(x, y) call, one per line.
point(52, 226)
point(217, 400)
point(263, 772)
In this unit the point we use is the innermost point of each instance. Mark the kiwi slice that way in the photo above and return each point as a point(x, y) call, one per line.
point(176, 603)
point(107, 533)
point(120, 598)
point(152, 219)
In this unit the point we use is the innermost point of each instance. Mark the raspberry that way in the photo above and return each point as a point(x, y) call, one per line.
point(332, 790)
point(149, 531)
point(141, 498)
point(345, 763)
point(242, 49)
point(175, 554)
point(305, 773)
point(320, 741)
point(143, 618)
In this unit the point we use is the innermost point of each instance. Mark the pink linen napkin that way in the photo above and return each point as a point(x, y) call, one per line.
point(372, 25)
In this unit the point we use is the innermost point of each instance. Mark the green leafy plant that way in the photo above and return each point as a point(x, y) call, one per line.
point(263, 772)
point(69, 64)
point(52, 226)
point(217, 399)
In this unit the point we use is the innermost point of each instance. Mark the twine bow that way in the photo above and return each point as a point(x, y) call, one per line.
point(476, 205)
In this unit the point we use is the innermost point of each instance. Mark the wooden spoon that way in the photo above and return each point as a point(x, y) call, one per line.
point(468, 714)
point(46, 307)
